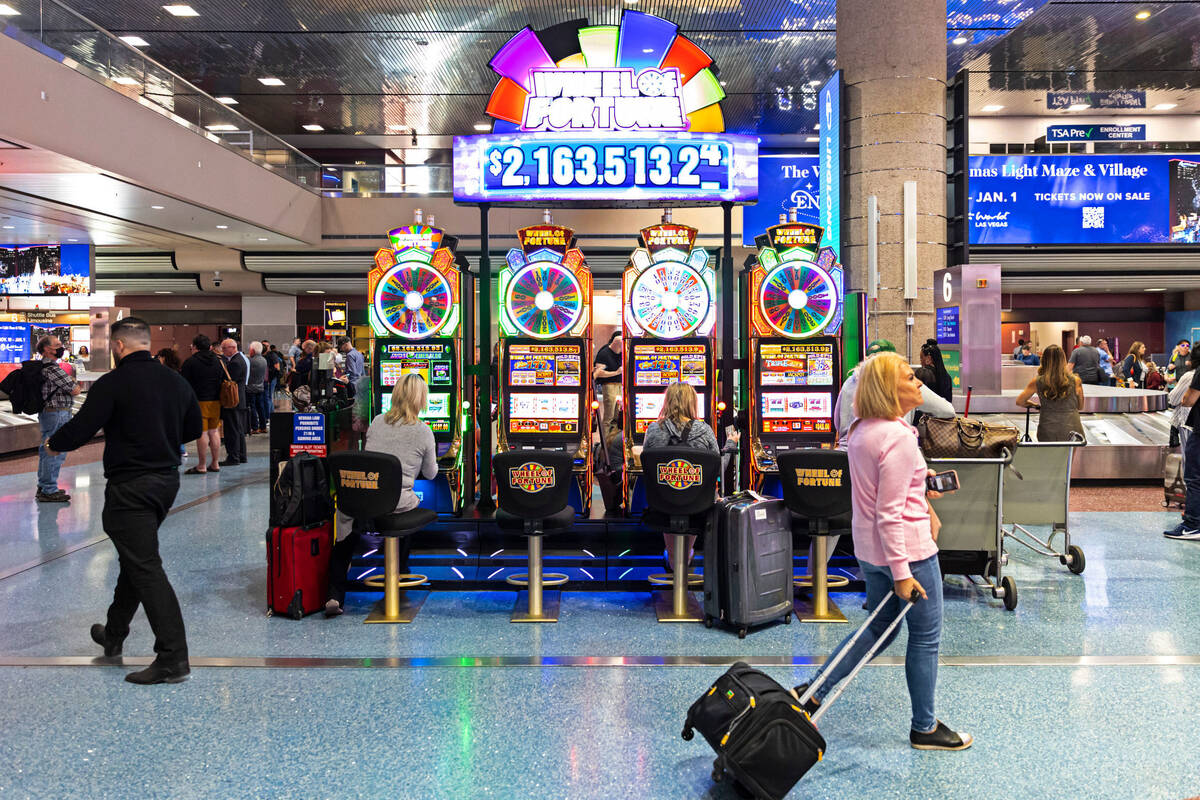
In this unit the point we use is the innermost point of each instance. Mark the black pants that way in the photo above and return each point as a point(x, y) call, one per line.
point(133, 510)
point(233, 420)
point(340, 558)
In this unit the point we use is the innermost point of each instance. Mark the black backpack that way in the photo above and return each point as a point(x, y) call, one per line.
point(300, 497)
point(24, 387)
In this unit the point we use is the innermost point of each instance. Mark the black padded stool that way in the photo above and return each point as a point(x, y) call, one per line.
point(816, 488)
point(366, 488)
point(532, 488)
point(681, 490)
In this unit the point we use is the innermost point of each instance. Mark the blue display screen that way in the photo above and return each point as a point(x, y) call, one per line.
point(784, 182)
point(14, 342)
point(35, 269)
point(698, 167)
point(829, 104)
point(947, 325)
point(1085, 199)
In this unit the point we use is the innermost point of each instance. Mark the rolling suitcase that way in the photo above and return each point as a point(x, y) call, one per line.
point(762, 736)
point(298, 569)
point(748, 568)
point(1174, 491)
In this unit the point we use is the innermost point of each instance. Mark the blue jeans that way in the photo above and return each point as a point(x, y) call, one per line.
point(48, 465)
point(924, 636)
point(1191, 479)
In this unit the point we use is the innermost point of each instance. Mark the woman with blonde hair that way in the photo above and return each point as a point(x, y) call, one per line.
point(895, 541)
point(679, 425)
point(401, 432)
point(1061, 394)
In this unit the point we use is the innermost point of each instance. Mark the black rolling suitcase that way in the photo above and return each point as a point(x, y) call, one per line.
point(748, 565)
point(760, 731)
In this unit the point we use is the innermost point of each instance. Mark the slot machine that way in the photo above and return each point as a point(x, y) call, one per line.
point(669, 291)
point(795, 308)
point(415, 313)
point(545, 323)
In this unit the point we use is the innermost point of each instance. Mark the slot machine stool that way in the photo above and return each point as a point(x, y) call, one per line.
point(366, 487)
point(816, 488)
point(532, 487)
point(681, 491)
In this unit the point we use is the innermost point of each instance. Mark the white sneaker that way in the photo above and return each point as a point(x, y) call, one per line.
point(1182, 531)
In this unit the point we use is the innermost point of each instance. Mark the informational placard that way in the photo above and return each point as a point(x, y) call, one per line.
point(953, 361)
point(335, 317)
point(946, 328)
point(829, 104)
point(14, 342)
point(1095, 133)
point(308, 435)
point(784, 182)
point(1085, 199)
point(1079, 101)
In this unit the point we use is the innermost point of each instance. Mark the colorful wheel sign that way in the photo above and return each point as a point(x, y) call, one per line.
point(798, 298)
point(670, 299)
point(544, 299)
point(413, 300)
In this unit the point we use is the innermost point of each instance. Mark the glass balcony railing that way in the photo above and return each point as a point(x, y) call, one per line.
point(367, 180)
point(73, 40)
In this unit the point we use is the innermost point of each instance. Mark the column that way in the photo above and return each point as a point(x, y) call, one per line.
point(269, 317)
point(892, 54)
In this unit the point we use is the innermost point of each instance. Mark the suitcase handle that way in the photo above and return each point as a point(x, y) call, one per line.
point(865, 660)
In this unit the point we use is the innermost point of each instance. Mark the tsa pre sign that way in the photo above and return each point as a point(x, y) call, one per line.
point(308, 435)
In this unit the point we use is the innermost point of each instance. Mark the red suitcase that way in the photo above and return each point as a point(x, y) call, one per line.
point(298, 569)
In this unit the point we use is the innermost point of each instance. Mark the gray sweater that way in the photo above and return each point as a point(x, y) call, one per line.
point(258, 375)
point(701, 436)
point(413, 445)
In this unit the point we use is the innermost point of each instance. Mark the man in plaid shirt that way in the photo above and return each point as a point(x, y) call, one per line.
point(58, 393)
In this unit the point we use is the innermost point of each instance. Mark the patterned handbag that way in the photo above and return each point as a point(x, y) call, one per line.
point(965, 438)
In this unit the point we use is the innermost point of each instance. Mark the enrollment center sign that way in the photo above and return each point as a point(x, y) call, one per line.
point(1085, 199)
point(612, 114)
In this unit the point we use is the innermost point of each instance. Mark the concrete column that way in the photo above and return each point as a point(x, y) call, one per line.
point(272, 318)
point(892, 54)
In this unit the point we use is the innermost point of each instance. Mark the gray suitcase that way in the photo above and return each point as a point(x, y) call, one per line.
point(748, 563)
point(1174, 492)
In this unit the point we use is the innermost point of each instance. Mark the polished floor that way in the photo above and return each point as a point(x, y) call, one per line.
point(1088, 690)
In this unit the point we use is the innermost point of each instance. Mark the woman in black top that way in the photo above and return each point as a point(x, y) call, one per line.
point(204, 373)
point(931, 357)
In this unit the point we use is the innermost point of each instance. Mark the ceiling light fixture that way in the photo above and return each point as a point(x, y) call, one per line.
point(223, 227)
point(9, 227)
point(990, 108)
point(8, 11)
point(315, 291)
point(125, 80)
point(1164, 106)
point(72, 240)
point(482, 126)
point(1143, 14)
point(270, 81)
point(262, 238)
point(221, 126)
point(135, 41)
point(1072, 290)
point(960, 39)
point(812, 139)
point(395, 127)
point(229, 101)
point(179, 10)
point(1079, 107)
point(631, 2)
point(1154, 290)
point(161, 291)
point(312, 126)
point(158, 208)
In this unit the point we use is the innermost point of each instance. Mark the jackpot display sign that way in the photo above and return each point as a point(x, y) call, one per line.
point(1085, 199)
point(610, 114)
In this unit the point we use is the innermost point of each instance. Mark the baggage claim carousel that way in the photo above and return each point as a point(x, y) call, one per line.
point(1128, 430)
point(21, 431)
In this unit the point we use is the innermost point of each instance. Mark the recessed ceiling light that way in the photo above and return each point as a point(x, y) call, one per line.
point(180, 10)
point(135, 41)
point(331, 169)
point(1164, 106)
point(312, 126)
point(125, 80)
point(960, 39)
point(262, 238)
point(1153, 290)
point(1143, 14)
point(229, 101)
point(315, 291)
point(270, 81)
point(482, 126)
point(9, 227)
point(1072, 290)
point(1079, 107)
point(158, 208)
point(160, 291)
point(8, 11)
point(223, 227)
point(72, 240)
point(812, 138)
point(990, 108)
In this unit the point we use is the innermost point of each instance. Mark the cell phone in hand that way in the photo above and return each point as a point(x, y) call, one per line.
point(942, 482)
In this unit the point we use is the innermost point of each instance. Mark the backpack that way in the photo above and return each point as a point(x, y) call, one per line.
point(24, 387)
point(681, 439)
point(300, 496)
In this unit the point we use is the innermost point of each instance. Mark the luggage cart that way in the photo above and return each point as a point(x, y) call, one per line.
point(971, 541)
point(1041, 495)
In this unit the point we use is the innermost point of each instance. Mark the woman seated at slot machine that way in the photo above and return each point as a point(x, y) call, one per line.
point(678, 425)
point(400, 432)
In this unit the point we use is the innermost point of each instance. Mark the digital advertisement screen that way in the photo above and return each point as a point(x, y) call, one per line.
point(543, 413)
point(35, 269)
point(436, 414)
point(795, 364)
point(647, 407)
point(1084, 199)
point(947, 325)
point(432, 361)
point(14, 342)
point(663, 364)
point(797, 412)
point(544, 365)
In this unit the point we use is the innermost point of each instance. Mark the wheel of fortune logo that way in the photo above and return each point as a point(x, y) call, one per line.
point(680, 474)
point(531, 477)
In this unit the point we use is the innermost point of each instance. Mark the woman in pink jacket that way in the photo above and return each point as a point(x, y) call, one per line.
point(895, 540)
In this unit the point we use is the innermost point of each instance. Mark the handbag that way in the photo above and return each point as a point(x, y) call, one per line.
point(230, 393)
point(966, 438)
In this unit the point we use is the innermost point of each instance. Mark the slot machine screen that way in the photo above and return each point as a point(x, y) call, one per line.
point(544, 365)
point(436, 414)
point(661, 364)
point(433, 361)
point(647, 407)
point(543, 413)
point(796, 387)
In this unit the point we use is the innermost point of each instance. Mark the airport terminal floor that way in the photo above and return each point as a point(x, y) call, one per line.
point(1087, 689)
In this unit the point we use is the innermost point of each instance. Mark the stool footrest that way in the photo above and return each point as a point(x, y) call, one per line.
point(832, 581)
point(548, 579)
point(667, 579)
point(402, 581)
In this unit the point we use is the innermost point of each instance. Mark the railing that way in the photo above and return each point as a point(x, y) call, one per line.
point(77, 42)
point(368, 180)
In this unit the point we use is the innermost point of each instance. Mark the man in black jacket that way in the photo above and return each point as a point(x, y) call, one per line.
point(235, 420)
point(146, 411)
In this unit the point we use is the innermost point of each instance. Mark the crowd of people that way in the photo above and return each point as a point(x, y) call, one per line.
point(1096, 364)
